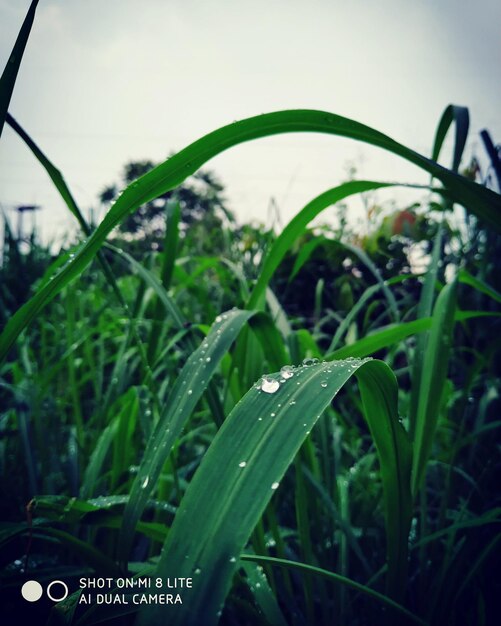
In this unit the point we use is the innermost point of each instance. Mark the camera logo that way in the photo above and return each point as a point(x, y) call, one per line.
point(32, 591)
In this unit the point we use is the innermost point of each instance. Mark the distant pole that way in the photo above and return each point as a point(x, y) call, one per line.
point(21, 210)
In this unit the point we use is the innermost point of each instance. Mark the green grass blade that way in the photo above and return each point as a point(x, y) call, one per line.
point(335, 578)
point(9, 75)
point(152, 281)
point(85, 551)
point(392, 334)
point(263, 593)
point(186, 392)
point(54, 174)
point(460, 116)
point(296, 227)
point(433, 378)
point(378, 388)
point(171, 242)
point(168, 175)
point(466, 278)
point(359, 306)
point(363, 257)
point(424, 310)
point(254, 448)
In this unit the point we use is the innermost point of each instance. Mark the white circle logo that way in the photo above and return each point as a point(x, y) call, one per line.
point(31, 591)
point(64, 593)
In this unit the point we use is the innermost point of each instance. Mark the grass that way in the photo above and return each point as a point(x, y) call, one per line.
point(352, 484)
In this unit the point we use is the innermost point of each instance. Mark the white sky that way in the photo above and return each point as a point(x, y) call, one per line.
point(107, 81)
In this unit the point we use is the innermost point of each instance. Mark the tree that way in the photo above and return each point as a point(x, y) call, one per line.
point(202, 204)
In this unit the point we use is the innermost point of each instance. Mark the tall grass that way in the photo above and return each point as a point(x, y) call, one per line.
point(155, 440)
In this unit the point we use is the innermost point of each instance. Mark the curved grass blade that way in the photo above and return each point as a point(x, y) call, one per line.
point(460, 116)
point(392, 334)
point(358, 306)
point(90, 555)
point(481, 201)
point(336, 578)
point(296, 227)
point(433, 377)
point(54, 174)
point(187, 391)
point(254, 448)
point(467, 278)
point(9, 75)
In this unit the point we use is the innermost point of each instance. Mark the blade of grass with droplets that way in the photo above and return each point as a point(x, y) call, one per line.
point(255, 446)
point(9, 75)
point(335, 578)
point(479, 200)
point(186, 392)
point(433, 377)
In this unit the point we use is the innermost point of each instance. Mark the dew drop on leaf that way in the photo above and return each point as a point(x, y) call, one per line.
point(269, 385)
point(287, 371)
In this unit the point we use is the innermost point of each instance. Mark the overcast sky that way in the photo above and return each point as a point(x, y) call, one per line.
point(106, 81)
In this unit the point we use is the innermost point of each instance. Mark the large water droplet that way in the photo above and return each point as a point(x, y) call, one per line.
point(323, 384)
point(287, 371)
point(308, 362)
point(269, 385)
point(145, 482)
point(242, 464)
point(275, 485)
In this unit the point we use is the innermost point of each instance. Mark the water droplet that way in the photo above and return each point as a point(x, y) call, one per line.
point(275, 486)
point(259, 419)
point(242, 464)
point(219, 319)
point(308, 362)
point(272, 414)
point(197, 571)
point(145, 482)
point(269, 385)
point(287, 371)
point(233, 560)
point(207, 360)
point(292, 402)
point(323, 384)
point(190, 391)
